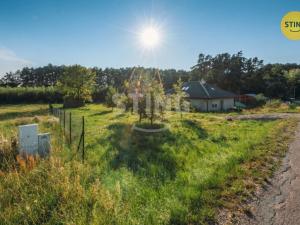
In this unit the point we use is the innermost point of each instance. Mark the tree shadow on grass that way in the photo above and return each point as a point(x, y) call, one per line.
point(102, 113)
point(202, 134)
point(143, 153)
point(14, 115)
point(222, 140)
point(195, 127)
point(120, 115)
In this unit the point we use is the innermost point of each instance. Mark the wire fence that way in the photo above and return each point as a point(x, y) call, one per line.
point(73, 131)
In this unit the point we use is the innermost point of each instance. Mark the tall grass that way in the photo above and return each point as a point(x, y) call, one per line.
point(181, 176)
point(29, 95)
point(55, 193)
point(51, 191)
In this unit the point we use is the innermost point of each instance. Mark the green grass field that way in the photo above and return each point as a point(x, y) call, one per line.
point(181, 176)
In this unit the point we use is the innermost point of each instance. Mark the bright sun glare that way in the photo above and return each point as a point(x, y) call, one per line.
point(149, 37)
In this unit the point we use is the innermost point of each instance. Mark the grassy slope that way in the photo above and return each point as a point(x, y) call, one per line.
point(177, 177)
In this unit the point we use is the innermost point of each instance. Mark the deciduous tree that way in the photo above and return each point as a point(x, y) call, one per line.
point(77, 84)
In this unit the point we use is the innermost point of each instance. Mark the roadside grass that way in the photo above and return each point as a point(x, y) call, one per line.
point(272, 107)
point(203, 163)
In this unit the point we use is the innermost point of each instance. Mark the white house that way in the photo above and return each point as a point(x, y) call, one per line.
point(207, 97)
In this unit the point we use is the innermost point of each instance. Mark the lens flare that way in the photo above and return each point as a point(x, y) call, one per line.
point(149, 37)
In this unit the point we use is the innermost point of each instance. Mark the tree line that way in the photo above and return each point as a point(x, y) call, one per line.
point(243, 75)
point(232, 72)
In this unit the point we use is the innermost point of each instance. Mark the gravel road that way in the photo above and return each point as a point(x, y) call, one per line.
point(280, 203)
point(265, 116)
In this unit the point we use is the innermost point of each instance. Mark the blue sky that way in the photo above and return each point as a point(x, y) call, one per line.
point(102, 33)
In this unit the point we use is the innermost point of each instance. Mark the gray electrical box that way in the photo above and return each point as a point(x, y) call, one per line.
point(28, 139)
point(44, 144)
point(32, 143)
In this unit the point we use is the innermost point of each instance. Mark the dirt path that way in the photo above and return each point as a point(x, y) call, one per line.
point(280, 203)
point(263, 116)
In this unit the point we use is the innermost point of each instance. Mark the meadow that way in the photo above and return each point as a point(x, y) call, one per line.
point(185, 175)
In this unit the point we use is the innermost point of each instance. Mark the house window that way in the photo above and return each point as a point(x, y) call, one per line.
point(185, 88)
point(214, 105)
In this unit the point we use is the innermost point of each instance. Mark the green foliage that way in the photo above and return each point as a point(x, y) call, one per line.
point(293, 106)
point(98, 94)
point(178, 97)
point(33, 77)
point(260, 99)
point(247, 75)
point(154, 90)
point(77, 83)
point(110, 97)
point(149, 92)
point(293, 79)
point(293, 76)
point(30, 95)
point(232, 72)
point(274, 103)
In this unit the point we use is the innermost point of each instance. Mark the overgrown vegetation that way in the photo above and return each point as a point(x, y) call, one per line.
point(273, 106)
point(19, 95)
point(181, 176)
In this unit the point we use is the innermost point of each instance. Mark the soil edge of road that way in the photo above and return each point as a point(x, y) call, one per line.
point(278, 200)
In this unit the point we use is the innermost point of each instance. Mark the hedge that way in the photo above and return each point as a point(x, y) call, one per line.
point(17, 95)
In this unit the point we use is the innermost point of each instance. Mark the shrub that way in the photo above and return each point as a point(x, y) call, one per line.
point(109, 98)
point(292, 106)
point(260, 100)
point(70, 102)
point(274, 103)
point(98, 94)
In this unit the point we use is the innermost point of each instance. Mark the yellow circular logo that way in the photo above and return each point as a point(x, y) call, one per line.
point(290, 25)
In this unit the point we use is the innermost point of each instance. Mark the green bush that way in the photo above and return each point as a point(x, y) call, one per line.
point(292, 106)
point(29, 95)
point(70, 102)
point(98, 94)
point(260, 100)
point(274, 103)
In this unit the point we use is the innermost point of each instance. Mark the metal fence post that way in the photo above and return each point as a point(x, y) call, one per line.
point(83, 133)
point(59, 117)
point(70, 128)
point(64, 122)
point(59, 120)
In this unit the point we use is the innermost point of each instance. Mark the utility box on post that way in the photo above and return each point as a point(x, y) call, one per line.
point(28, 139)
point(44, 144)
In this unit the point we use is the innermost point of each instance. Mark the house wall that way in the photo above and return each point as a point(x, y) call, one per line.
point(216, 102)
point(199, 104)
point(213, 104)
point(228, 103)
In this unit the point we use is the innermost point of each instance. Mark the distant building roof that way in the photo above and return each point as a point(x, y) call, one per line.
point(198, 89)
point(251, 95)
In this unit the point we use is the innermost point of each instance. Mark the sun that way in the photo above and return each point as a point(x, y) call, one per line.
point(150, 37)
